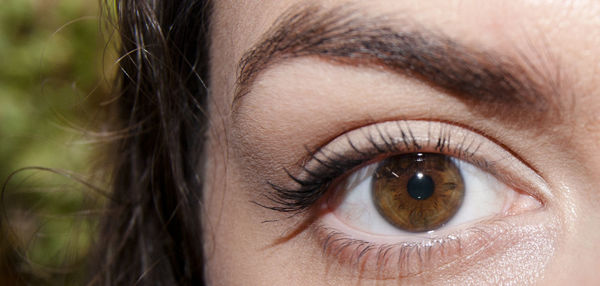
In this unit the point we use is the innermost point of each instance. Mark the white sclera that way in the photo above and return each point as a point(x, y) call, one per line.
point(485, 196)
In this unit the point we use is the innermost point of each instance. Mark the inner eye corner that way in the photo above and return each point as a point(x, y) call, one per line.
point(536, 188)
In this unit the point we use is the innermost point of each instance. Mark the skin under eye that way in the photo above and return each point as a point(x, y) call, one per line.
point(339, 186)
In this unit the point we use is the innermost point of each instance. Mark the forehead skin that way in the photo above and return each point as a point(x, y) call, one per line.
point(561, 37)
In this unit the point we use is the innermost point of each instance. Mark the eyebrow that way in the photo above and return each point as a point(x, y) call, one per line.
point(492, 83)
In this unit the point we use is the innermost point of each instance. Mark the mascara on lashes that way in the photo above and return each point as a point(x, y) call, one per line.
point(364, 145)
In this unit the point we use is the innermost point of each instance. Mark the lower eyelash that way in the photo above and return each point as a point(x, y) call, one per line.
point(406, 259)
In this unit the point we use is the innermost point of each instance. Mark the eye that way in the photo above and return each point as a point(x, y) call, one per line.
point(421, 192)
point(402, 198)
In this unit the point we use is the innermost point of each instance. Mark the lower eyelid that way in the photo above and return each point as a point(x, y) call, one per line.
point(384, 258)
point(391, 260)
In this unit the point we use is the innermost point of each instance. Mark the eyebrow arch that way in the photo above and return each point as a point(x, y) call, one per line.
point(495, 84)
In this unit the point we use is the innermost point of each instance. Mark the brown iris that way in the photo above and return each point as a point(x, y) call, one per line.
point(419, 191)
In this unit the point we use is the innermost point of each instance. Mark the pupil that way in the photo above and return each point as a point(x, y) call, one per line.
point(420, 186)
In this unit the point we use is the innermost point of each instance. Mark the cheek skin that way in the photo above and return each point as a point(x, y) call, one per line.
point(576, 259)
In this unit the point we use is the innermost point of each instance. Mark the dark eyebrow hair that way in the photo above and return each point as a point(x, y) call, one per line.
point(496, 84)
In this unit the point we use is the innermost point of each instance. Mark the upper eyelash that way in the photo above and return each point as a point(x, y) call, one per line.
point(309, 190)
point(314, 181)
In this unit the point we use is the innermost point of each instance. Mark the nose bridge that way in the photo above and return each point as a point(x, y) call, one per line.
point(584, 234)
point(587, 139)
point(582, 249)
point(577, 255)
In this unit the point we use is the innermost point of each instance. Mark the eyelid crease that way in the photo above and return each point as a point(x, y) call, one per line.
point(368, 143)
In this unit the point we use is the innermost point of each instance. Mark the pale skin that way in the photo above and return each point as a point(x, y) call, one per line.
point(308, 101)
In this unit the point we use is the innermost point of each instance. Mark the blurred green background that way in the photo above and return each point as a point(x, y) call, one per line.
point(55, 65)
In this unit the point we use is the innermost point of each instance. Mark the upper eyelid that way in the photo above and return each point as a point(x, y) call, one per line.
point(443, 146)
point(386, 141)
point(466, 142)
point(497, 160)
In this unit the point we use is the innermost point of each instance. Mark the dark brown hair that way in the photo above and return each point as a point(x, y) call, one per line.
point(151, 233)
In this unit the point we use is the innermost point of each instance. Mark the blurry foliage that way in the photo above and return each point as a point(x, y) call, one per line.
point(54, 66)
